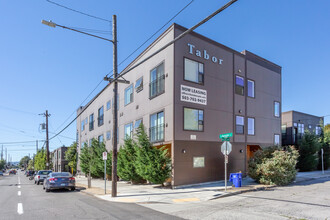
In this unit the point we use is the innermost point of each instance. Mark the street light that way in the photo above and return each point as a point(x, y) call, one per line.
point(115, 91)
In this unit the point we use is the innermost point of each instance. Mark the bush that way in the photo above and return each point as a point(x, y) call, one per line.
point(273, 165)
point(308, 148)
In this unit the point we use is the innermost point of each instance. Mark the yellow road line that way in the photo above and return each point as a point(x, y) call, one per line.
point(186, 200)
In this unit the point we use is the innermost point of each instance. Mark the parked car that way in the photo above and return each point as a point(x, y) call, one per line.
point(12, 172)
point(1, 173)
point(59, 180)
point(41, 175)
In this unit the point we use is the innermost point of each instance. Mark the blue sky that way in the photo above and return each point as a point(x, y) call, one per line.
point(44, 68)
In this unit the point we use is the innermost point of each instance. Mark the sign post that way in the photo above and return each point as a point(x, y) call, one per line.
point(226, 148)
point(105, 171)
point(322, 160)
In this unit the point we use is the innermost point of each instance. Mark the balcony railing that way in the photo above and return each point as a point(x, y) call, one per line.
point(100, 120)
point(157, 133)
point(157, 86)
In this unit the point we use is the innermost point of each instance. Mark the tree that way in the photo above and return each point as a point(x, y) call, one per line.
point(151, 163)
point(308, 148)
point(71, 156)
point(24, 161)
point(126, 160)
point(40, 160)
point(30, 165)
point(325, 144)
point(2, 164)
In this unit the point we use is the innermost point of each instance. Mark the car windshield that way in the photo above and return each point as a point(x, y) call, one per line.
point(44, 172)
point(61, 174)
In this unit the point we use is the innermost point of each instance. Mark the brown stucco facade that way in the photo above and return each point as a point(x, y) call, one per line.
point(195, 154)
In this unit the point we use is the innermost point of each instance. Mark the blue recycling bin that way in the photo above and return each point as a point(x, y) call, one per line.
point(236, 178)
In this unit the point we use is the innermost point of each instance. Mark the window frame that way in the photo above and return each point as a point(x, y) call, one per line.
point(91, 122)
point(279, 109)
point(239, 125)
point(254, 126)
point(185, 107)
point(131, 87)
point(131, 130)
point(238, 76)
point(140, 88)
point(254, 88)
point(98, 116)
point(108, 107)
point(156, 113)
point(140, 119)
point(162, 77)
point(184, 71)
point(98, 138)
point(279, 140)
point(106, 134)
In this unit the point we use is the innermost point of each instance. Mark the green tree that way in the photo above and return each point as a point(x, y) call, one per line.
point(30, 165)
point(325, 144)
point(40, 160)
point(151, 163)
point(308, 148)
point(71, 156)
point(126, 162)
point(24, 161)
point(2, 164)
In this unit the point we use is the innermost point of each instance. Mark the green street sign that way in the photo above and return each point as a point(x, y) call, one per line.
point(228, 135)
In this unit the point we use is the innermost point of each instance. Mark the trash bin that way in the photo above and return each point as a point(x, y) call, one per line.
point(236, 178)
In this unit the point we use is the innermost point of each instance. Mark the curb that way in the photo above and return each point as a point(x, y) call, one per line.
point(243, 191)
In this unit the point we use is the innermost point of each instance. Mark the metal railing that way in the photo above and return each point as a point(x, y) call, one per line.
point(157, 86)
point(156, 133)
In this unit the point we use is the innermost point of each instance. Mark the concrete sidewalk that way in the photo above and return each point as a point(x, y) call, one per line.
point(153, 194)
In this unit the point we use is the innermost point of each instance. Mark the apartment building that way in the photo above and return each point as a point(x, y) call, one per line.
point(58, 159)
point(295, 124)
point(186, 96)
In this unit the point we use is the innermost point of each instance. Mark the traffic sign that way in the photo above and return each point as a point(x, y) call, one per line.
point(105, 155)
point(227, 135)
point(226, 147)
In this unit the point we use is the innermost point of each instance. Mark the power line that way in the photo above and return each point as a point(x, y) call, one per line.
point(92, 30)
point(112, 70)
point(83, 13)
point(17, 110)
point(20, 142)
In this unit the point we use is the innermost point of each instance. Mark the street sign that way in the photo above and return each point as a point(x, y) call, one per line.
point(105, 155)
point(226, 147)
point(227, 135)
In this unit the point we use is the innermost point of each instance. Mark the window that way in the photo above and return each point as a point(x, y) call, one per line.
point(139, 85)
point(276, 139)
point(318, 130)
point(301, 129)
point(108, 105)
point(100, 116)
point(128, 130)
point(108, 135)
point(193, 119)
point(283, 128)
point(193, 71)
point(100, 138)
point(157, 81)
point(250, 126)
point(137, 123)
point(90, 142)
point(83, 125)
point(199, 162)
point(129, 94)
point(91, 122)
point(157, 127)
point(239, 124)
point(239, 85)
point(250, 87)
point(276, 109)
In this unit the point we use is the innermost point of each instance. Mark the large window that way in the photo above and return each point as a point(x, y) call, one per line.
point(137, 123)
point(250, 87)
point(128, 130)
point(91, 122)
point(301, 129)
point(100, 138)
point(193, 71)
point(239, 124)
point(318, 130)
point(250, 126)
point(276, 139)
point(100, 118)
point(193, 119)
point(157, 81)
point(157, 127)
point(239, 85)
point(129, 94)
point(139, 85)
point(283, 128)
point(108, 135)
point(276, 109)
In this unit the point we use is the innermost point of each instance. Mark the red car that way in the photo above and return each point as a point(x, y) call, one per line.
point(12, 172)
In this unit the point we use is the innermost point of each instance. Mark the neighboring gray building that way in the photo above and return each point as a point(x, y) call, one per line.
point(58, 159)
point(294, 125)
point(186, 96)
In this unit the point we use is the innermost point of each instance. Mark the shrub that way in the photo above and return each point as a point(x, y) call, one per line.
point(308, 148)
point(274, 165)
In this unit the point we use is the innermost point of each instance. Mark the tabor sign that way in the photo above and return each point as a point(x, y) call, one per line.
point(204, 54)
point(105, 155)
point(226, 147)
point(193, 95)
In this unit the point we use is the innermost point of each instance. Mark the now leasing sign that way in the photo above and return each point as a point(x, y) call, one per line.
point(193, 95)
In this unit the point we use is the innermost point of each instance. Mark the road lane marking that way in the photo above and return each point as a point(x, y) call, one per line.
point(19, 187)
point(186, 200)
point(20, 208)
point(19, 193)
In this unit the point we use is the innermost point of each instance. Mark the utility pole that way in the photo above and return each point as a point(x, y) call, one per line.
point(2, 152)
point(36, 146)
point(6, 155)
point(47, 141)
point(115, 111)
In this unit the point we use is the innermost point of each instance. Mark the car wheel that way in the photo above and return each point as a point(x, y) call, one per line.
point(73, 188)
point(38, 183)
point(47, 190)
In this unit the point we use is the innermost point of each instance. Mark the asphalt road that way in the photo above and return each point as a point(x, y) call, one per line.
point(305, 200)
point(20, 198)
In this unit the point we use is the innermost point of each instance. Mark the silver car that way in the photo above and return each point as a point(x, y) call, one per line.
point(40, 176)
point(59, 180)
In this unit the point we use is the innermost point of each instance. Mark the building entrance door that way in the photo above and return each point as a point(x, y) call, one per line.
point(251, 149)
